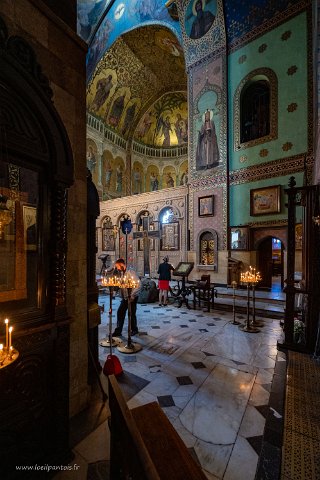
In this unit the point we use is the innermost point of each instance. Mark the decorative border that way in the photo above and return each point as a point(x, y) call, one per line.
point(275, 168)
point(273, 81)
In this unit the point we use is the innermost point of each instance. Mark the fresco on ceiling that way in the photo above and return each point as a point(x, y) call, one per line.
point(137, 178)
point(88, 15)
point(122, 17)
point(207, 132)
point(245, 16)
point(165, 123)
point(98, 45)
point(200, 15)
point(112, 176)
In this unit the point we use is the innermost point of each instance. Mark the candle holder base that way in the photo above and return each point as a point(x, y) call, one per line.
point(235, 322)
point(249, 329)
point(105, 342)
point(10, 358)
point(257, 323)
point(129, 348)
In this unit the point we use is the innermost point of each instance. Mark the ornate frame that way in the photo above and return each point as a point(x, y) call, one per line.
point(272, 78)
point(201, 211)
point(269, 205)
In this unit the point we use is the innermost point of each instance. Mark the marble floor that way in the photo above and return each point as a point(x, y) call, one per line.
point(212, 380)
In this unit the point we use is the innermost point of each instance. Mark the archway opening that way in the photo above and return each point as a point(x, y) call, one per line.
point(270, 260)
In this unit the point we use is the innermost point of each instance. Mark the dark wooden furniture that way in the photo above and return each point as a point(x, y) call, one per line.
point(203, 292)
point(35, 173)
point(144, 445)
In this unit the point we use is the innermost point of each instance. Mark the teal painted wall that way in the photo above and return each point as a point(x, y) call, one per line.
point(279, 56)
point(240, 200)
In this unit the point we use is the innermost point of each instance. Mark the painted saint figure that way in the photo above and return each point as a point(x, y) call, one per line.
point(119, 179)
point(202, 22)
point(207, 154)
point(181, 129)
point(116, 111)
point(170, 181)
point(108, 174)
point(104, 86)
point(91, 159)
point(136, 181)
point(154, 184)
point(166, 129)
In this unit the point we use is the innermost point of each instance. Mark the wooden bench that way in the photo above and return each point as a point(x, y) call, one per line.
point(144, 445)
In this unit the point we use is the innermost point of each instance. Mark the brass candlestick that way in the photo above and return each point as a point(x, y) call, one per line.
point(234, 286)
point(249, 277)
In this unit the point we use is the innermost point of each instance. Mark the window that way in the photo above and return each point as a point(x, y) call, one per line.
point(255, 111)
point(169, 226)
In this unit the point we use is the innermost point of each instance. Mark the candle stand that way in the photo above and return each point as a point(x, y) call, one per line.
point(249, 278)
point(254, 321)
point(111, 282)
point(129, 282)
point(234, 286)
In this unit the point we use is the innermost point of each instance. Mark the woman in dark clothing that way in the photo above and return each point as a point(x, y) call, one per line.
point(164, 272)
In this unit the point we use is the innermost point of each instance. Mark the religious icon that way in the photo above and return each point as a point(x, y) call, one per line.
point(207, 153)
point(200, 15)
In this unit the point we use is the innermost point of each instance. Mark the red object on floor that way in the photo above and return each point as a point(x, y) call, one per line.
point(112, 366)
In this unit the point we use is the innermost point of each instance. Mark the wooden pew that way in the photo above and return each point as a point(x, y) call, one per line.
point(144, 445)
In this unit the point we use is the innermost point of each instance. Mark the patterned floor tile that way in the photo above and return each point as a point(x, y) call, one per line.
point(166, 401)
point(184, 380)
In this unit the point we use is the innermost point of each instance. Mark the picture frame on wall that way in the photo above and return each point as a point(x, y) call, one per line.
point(30, 226)
point(239, 238)
point(265, 201)
point(206, 206)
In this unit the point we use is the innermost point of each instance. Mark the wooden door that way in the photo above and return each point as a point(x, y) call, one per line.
point(265, 263)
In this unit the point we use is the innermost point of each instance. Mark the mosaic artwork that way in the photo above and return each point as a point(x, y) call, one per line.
point(166, 122)
point(121, 18)
point(88, 16)
point(200, 15)
point(130, 75)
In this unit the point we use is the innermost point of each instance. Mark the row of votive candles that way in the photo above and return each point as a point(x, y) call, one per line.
point(123, 282)
point(251, 276)
point(8, 348)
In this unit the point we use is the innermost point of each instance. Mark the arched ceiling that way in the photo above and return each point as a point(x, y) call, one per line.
point(143, 70)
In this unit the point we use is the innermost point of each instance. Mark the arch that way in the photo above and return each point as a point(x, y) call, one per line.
point(207, 235)
point(257, 75)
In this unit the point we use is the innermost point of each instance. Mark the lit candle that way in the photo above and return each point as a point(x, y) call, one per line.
point(10, 332)
point(7, 331)
point(1, 349)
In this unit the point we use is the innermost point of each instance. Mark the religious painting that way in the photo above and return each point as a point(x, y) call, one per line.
point(298, 236)
point(239, 238)
point(205, 206)
point(170, 236)
point(200, 15)
point(108, 240)
point(264, 201)
point(183, 173)
point(141, 244)
point(168, 177)
point(30, 227)
point(104, 88)
point(91, 157)
point(137, 178)
point(207, 128)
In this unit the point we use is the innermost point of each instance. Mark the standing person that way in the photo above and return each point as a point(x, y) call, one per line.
point(164, 272)
point(120, 269)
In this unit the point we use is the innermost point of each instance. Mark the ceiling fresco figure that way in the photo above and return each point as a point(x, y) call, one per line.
point(130, 113)
point(181, 129)
point(104, 86)
point(116, 111)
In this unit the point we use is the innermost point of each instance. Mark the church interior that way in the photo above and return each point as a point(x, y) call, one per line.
point(146, 130)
